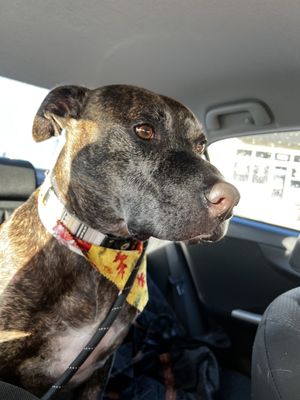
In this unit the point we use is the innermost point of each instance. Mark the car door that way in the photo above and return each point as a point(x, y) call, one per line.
point(238, 277)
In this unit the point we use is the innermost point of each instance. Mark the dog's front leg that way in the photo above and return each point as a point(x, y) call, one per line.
point(91, 389)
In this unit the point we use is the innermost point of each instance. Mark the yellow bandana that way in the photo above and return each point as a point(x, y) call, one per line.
point(117, 265)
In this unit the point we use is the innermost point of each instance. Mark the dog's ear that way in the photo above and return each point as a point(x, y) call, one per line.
point(60, 104)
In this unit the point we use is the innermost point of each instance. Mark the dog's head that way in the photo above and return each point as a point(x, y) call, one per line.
point(133, 164)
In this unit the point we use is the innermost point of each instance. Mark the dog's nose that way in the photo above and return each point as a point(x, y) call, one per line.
point(221, 199)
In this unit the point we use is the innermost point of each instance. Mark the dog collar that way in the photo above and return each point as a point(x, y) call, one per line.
point(51, 210)
point(114, 264)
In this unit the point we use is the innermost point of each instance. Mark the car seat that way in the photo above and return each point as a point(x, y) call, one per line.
point(17, 182)
point(276, 351)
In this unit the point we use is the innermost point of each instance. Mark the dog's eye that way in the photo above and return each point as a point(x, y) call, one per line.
point(199, 146)
point(144, 131)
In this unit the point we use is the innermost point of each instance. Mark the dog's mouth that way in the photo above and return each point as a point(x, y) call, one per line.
point(212, 237)
point(204, 239)
point(212, 234)
point(216, 235)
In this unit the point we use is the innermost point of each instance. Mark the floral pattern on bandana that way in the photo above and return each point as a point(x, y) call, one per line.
point(115, 265)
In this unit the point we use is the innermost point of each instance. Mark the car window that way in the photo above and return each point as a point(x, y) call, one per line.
point(19, 103)
point(266, 170)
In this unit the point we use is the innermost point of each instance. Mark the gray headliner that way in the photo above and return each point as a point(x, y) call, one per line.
point(200, 52)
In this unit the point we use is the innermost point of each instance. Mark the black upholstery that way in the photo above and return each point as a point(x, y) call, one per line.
point(10, 392)
point(276, 353)
point(176, 283)
point(17, 182)
point(182, 300)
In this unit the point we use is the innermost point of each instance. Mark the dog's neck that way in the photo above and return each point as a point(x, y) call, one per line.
point(52, 210)
point(99, 250)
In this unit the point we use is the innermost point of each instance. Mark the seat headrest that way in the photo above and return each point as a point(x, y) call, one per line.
point(17, 179)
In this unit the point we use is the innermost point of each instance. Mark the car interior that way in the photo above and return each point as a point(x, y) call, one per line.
point(236, 65)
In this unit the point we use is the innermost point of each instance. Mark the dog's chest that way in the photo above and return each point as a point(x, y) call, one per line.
point(66, 347)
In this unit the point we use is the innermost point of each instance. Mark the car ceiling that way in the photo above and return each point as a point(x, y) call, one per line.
point(203, 53)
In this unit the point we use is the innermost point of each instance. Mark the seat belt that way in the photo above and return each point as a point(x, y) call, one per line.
point(177, 279)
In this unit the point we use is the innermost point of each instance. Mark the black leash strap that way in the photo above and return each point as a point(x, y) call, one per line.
point(100, 332)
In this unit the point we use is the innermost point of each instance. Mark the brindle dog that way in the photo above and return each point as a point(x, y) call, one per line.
point(132, 166)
